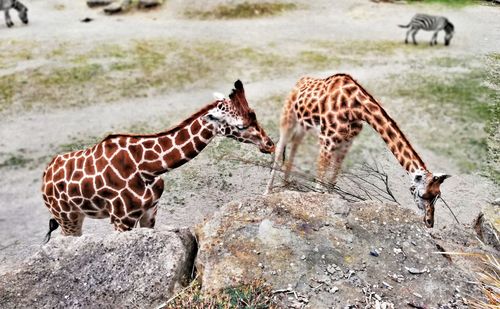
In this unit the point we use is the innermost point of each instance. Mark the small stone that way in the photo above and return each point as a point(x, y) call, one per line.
point(415, 271)
point(333, 290)
point(374, 252)
point(261, 265)
point(303, 257)
point(397, 250)
point(330, 269)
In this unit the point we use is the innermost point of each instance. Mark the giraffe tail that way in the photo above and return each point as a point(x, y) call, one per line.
point(404, 26)
point(53, 225)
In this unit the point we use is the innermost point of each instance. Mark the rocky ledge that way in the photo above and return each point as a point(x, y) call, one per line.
point(319, 251)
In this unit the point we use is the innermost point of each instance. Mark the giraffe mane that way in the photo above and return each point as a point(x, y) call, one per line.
point(174, 129)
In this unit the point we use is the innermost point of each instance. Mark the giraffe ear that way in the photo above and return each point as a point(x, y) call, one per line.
point(238, 98)
point(439, 178)
point(239, 85)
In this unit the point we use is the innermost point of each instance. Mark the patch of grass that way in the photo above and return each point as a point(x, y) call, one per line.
point(360, 48)
point(254, 295)
point(454, 3)
point(109, 72)
point(447, 62)
point(459, 110)
point(242, 10)
point(148, 67)
point(78, 143)
point(69, 76)
point(8, 85)
point(16, 161)
point(316, 59)
point(493, 125)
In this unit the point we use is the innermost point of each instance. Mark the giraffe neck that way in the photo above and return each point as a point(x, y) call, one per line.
point(377, 117)
point(159, 153)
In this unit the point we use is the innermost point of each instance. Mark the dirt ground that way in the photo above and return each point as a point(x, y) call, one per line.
point(199, 188)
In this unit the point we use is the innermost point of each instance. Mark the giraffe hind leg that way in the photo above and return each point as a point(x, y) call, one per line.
point(71, 224)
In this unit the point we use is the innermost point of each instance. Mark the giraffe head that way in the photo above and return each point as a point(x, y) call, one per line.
point(426, 191)
point(233, 118)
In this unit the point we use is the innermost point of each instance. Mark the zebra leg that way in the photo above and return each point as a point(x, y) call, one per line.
point(413, 36)
point(434, 38)
point(8, 20)
point(407, 34)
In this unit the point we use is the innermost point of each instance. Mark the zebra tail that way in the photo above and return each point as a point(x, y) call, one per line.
point(404, 26)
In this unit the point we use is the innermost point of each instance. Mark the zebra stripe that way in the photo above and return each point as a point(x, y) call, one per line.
point(429, 23)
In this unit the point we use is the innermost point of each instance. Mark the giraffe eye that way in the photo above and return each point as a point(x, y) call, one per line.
point(241, 128)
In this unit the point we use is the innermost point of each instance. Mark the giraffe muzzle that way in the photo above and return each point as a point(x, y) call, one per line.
point(268, 147)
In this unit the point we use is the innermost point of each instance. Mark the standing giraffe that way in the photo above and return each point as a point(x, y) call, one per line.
point(120, 177)
point(334, 108)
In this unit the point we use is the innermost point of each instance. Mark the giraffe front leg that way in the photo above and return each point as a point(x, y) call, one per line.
point(338, 157)
point(8, 20)
point(296, 140)
point(279, 154)
point(324, 162)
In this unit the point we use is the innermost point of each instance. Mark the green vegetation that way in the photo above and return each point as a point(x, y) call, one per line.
point(109, 72)
point(140, 68)
point(242, 10)
point(454, 3)
point(458, 111)
point(493, 125)
point(78, 143)
point(16, 161)
point(255, 295)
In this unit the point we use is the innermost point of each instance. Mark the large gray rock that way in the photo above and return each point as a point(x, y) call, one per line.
point(323, 252)
point(140, 269)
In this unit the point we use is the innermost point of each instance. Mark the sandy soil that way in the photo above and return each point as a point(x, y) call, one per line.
point(23, 218)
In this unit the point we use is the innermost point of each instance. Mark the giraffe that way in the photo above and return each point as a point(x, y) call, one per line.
point(120, 177)
point(334, 108)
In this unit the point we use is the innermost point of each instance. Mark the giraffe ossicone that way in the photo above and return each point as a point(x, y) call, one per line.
point(120, 177)
point(335, 108)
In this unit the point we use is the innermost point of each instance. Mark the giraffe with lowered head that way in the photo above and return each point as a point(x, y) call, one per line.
point(120, 177)
point(334, 108)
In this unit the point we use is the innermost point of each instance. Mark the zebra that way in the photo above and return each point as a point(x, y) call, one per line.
point(430, 23)
point(21, 9)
